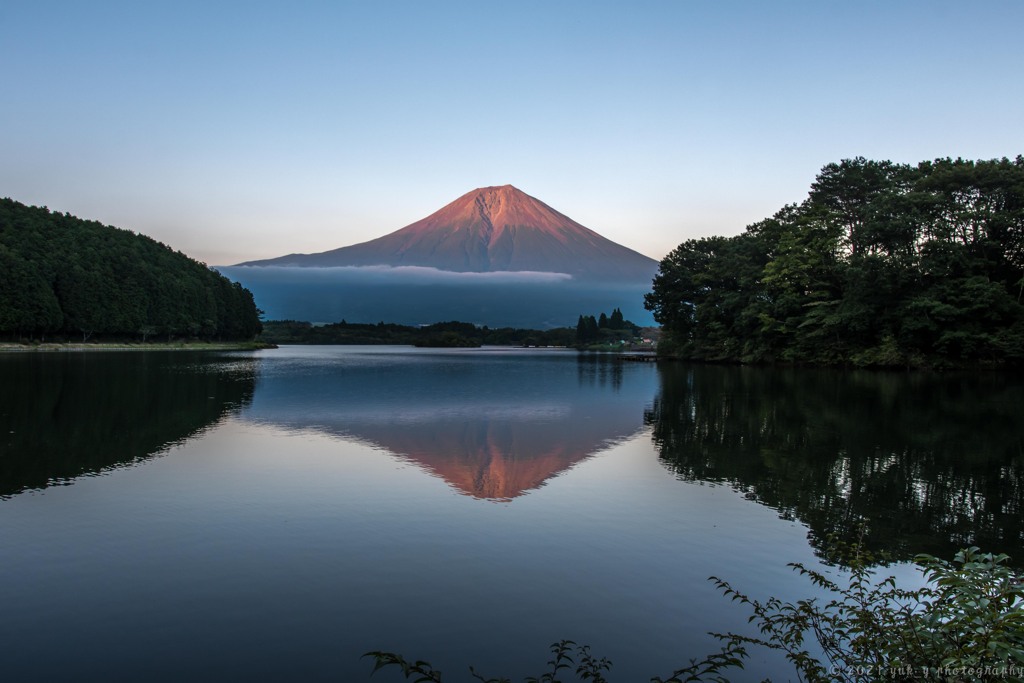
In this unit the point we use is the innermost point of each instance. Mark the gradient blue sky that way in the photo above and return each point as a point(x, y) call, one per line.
point(235, 131)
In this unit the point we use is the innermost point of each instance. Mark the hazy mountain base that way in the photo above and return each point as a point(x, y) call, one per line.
point(414, 296)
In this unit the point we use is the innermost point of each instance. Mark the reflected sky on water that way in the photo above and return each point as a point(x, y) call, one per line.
point(469, 506)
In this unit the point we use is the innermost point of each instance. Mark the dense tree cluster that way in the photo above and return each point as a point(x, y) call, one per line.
point(882, 265)
point(67, 277)
point(604, 329)
point(589, 331)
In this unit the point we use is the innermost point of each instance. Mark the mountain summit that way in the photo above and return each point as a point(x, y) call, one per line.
point(490, 229)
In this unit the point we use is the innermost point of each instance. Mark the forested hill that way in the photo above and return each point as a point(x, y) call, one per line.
point(67, 277)
point(882, 265)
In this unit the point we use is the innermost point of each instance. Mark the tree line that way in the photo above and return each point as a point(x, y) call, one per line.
point(589, 331)
point(883, 264)
point(451, 333)
point(65, 277)
point(604, 329)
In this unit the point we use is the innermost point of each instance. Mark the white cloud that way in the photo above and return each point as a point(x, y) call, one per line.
point(402, 274)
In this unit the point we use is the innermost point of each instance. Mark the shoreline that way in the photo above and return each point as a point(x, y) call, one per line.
point(56, 347)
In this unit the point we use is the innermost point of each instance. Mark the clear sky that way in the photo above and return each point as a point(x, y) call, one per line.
point(236, 131)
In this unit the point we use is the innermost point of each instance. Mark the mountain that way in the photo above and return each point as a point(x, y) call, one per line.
point(495, 256)
point(491, 229)
point(496, 458)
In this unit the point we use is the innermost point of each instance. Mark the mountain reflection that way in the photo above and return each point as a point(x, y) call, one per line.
point(929, 463)
point(66, 415)
point(493, 425)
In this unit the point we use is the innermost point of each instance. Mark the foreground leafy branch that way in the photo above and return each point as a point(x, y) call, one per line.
point(588, 668)
point(965, 624)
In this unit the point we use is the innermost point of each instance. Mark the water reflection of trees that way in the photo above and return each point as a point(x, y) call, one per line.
point(599, 370)
point(64, 415)
point(930, 462)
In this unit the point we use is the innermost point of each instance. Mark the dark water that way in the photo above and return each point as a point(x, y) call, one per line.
point(272, 516)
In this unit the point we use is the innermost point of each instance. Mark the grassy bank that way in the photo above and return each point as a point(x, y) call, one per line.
point(129, 346)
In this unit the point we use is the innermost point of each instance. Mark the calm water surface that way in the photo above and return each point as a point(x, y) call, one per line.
point(272, 516)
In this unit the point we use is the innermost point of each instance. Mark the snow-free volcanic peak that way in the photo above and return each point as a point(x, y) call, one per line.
point(487, 230)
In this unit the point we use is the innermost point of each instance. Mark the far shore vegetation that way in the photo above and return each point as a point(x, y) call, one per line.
point(602, 333)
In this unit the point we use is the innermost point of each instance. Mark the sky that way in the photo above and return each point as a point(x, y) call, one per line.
point(235, 131)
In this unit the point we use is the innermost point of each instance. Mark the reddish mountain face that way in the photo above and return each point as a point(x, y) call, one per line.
point(495, 459)
point(490, 229)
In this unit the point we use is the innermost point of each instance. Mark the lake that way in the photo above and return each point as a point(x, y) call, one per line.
point(272, 515)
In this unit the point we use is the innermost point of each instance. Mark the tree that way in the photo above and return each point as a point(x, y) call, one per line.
point(679, 288)
point(705, 296)
point(27, 303)
point(76, 277)
point(616, 321)
point(882, 264)
point(587, 330)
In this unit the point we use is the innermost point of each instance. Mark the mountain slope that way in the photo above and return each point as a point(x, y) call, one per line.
point(490, 229)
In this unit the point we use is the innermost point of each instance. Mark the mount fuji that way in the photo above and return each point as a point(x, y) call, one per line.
point(495, 256)
point(491, 229)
